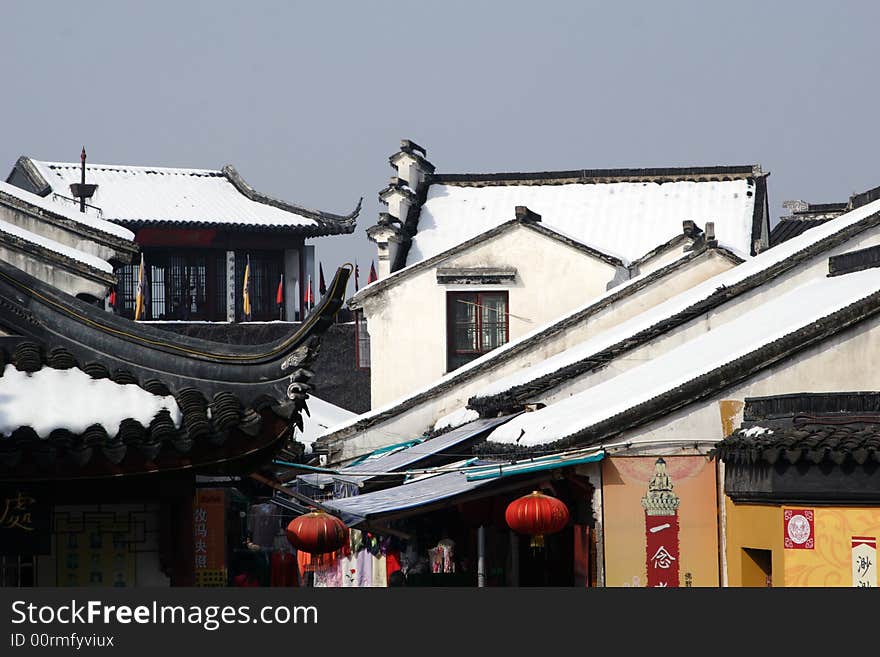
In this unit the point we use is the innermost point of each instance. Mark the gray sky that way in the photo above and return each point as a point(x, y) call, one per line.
point(307, 100)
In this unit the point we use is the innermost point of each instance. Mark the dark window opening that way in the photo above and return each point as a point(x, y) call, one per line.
point(362, 341)
point(477, 323)
point(757, 567)
point(181, 285)
point(266, 270)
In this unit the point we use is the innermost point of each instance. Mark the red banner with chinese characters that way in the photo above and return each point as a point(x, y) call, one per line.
point(209, 534)
point(799, 530)
point(661, 550)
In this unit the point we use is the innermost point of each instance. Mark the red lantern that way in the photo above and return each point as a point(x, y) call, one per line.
point(536, 514)
point(317, 532)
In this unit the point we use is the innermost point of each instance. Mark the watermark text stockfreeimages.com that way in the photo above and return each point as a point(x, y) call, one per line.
point(209, 617)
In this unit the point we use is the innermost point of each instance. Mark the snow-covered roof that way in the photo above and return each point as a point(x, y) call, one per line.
point(676, 305)
point(56, 247)
point(63, 207)
point(51, 399)
point(622, 218)
point(499, 353)
point(762, 326)
point(757, 267)
point(321, 415)
point(139, 194)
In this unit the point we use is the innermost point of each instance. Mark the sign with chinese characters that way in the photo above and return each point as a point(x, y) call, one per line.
point(799, 528)
point(209, 537)
point(662, 550)
point(94, 549)
point(661, 528)
point(24, 522)
point(864, 561)
point(660, 514)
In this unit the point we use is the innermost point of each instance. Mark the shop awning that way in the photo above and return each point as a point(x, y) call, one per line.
point(422, 492)
point(405, 458)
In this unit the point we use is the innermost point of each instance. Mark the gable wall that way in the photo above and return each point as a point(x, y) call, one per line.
point(407, 322)
point(413, 422)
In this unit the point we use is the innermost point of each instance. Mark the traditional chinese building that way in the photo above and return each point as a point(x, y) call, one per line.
point(802, 490)
point(106, 423)
point(477, 254)
point(197, 229)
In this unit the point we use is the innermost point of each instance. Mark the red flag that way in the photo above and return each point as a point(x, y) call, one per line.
point(372, 277)
point(112, 298)
point(279, 295)
point(322, 288)
point(357, 275)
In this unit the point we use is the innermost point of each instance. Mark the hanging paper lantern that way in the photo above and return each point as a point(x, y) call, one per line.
point(317, 532)
point(536, 514)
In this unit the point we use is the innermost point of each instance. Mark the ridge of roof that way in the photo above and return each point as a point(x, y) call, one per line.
point(69, 258)
point(722, 290)
point(328, 222)
point(675, 395)
point(511, 349)
point(660, 174)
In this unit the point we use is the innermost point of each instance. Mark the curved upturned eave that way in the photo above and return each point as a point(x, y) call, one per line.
point(33, 309)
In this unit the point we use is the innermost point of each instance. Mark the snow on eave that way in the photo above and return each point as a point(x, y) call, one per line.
point(486, 360)
point(679, 305)
point(55, 247)
point(757, 268)
point(706, 353)
point(321, 414)
point(51, 399)
point(456, 418)
point(64, 211)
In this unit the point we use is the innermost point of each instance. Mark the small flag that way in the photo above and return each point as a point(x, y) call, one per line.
point(357, 275)
point(322, 287)
point(279, 295)
point(112, 298)
point(310, 300)
point(140, 297)
point(246, 291)
point(372, 277)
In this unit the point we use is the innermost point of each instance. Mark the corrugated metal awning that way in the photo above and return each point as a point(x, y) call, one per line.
point(400, 460)
point(447, 486)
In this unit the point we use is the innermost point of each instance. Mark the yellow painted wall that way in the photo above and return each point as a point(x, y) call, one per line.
point(751, 526)
point(624, 483)
point(830, 562)
point(827, 564)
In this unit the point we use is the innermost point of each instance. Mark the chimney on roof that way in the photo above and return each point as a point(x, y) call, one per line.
point(711, 242)
point(411, 163)
point(398, 196)
point(387, 233)
point(522, 213)
point(81, 190)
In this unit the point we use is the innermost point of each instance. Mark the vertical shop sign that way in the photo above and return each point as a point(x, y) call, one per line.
point(209, 537)
point(661, 529)
point(864, 561)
